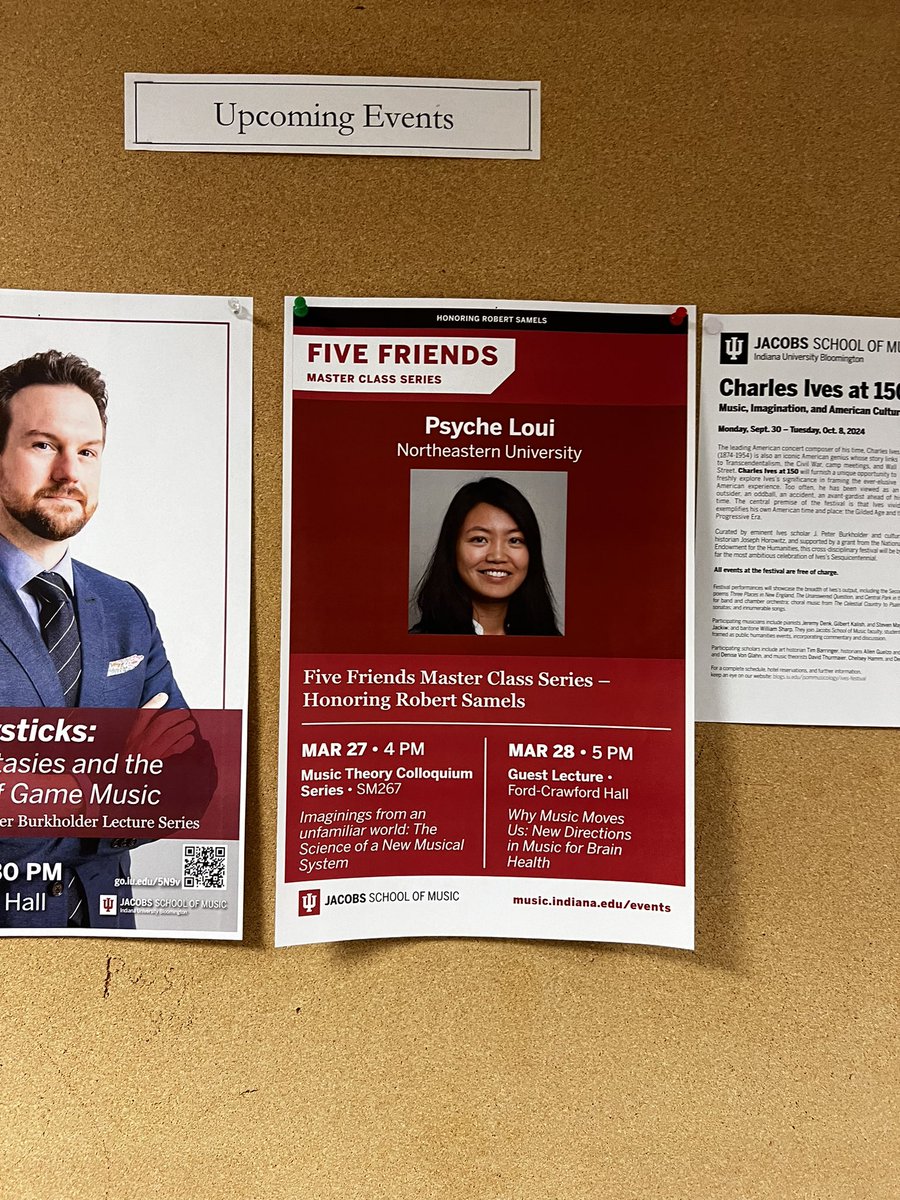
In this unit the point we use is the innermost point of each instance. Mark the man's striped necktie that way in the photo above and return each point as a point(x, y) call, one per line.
point(59, 629)
point(75, 906)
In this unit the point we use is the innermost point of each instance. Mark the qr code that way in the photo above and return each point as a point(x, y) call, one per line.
point(204, 867)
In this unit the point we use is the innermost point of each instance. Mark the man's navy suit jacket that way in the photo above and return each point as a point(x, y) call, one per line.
point(115, 623)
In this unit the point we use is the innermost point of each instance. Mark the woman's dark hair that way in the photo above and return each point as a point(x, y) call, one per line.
point(445, 601)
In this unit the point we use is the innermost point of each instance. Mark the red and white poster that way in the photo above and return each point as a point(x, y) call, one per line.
point(486, 721)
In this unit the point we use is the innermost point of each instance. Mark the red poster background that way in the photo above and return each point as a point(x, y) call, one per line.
point(621, 399)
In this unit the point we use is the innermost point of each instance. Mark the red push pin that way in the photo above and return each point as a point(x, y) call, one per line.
point(678, 316)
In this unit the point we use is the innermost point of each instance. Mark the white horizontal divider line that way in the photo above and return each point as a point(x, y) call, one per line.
point(494, 725)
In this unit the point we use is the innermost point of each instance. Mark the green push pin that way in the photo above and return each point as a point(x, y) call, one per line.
point(301, 308)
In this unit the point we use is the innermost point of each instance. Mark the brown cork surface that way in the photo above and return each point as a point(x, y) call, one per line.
point(731, 155)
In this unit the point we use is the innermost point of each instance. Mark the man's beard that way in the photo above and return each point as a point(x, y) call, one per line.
point(52, 524)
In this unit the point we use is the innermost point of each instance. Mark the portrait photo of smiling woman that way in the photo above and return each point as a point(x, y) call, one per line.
point(495, 567)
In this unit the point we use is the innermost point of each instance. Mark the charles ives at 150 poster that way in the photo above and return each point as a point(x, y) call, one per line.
point(486, 717)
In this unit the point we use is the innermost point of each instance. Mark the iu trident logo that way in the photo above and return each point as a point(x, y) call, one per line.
point(108, 906)
point(733, 347)
point(309, 903)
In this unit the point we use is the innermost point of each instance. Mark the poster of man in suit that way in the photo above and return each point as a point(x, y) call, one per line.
point(124, 496)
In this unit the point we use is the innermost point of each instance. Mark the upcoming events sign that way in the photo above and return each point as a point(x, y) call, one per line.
point(333, 114)
point(486, 725)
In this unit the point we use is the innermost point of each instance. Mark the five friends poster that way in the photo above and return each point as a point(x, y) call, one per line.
point(486, 723)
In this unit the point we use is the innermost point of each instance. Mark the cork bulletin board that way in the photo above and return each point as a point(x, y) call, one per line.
point(742, 157)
